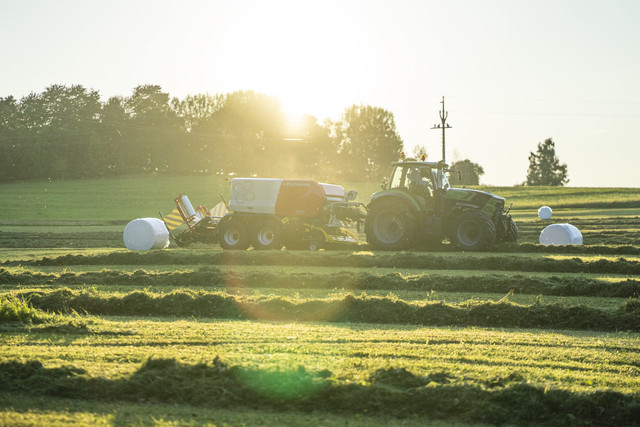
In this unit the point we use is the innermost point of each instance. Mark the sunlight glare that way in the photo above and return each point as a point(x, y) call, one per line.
point(314, 61)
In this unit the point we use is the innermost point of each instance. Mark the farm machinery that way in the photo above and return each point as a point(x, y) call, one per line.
point(270, 213)
point(418, 206)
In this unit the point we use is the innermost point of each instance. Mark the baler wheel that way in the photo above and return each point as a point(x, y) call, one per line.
point(233, 235)
point(267, 234)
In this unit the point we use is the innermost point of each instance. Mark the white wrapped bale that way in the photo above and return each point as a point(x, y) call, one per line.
point(545, 212)
point(143, 234)
point(560, 234)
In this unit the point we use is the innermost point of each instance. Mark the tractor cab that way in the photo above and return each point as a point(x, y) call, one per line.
point(420, 179)
point(419, 174)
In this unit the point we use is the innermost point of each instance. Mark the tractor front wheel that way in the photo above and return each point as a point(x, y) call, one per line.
point(472, 231)
point(233, 235)
point(390, 225)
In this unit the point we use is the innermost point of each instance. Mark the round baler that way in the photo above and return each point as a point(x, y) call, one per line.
point(268, 213)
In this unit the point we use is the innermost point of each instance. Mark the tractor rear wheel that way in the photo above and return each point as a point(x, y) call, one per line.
point(472, 231)
point(233, 235)
point(267, 234)
point(390, 225)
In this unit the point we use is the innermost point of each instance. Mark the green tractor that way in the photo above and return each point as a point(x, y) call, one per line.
point(418, 207)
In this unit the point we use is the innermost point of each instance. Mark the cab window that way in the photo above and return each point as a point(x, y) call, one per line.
point(397, 180)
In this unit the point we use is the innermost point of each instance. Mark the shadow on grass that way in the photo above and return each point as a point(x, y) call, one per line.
point(394, 392)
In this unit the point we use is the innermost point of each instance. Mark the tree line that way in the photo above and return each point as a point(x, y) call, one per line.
point(66, 132)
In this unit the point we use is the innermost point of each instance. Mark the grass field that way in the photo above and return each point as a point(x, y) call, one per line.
point(93, 334)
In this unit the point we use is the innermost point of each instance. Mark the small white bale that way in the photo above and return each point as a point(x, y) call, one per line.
point(560, 234)
point(545, 212)
point(143, 234)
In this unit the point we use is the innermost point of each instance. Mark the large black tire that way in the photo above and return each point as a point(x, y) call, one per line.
point(472, 231)
point(267, 234)
point(233, 235)
point(391, 225)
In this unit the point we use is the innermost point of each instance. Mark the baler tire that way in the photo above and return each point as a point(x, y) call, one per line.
point(267, 234)
point(233, 235)
point(472, 230)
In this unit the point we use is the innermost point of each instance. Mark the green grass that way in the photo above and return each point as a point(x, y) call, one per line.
point(524, 197)
point(111, 199)
point(116, 347)
point(123, 199)
point(47, 411)
point(357, 327)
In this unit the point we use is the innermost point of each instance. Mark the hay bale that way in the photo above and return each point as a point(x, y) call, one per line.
point(143, 234)
point(560, 234)
point(545, 212)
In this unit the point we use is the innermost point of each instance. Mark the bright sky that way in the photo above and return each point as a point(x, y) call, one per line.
point(513, 72)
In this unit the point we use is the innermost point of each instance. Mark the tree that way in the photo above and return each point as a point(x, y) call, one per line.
point(367, 141)
point(9, 120)
point(545, 167)
point(59, 133)
point(418, 152)
point(241, 133)
point(470, 173)
point(154, 130)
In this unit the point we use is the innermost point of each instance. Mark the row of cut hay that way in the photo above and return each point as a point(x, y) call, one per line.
point(404, 260)
point(214, 277)
point(348, 308)
point(392, 391)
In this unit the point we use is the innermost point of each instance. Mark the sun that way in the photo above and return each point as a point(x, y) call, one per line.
point(301, 53)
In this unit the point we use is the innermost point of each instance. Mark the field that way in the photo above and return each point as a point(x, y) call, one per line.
point(92, 334)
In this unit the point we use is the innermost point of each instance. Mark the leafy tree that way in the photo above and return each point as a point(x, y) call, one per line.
point(59, 132)
point(193, 109)
point(545, 167)
point(114, 133)
point(470, 173)
point(9, 121)
point(367, 141)
point(240, 135)
point(154, 130)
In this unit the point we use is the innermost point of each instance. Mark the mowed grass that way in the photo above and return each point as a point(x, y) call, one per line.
point(61, 249)
point(115, 347)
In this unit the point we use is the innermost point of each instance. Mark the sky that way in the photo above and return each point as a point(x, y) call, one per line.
point(513, 72)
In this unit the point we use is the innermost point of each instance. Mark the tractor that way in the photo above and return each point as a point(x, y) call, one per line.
point(418, 206)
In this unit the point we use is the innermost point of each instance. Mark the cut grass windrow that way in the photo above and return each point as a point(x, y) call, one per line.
point(211, 276)
point(413, 260)
point(348, 308)
point(391, 391)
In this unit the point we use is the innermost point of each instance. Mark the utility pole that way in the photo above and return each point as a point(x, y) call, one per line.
point(443, 125)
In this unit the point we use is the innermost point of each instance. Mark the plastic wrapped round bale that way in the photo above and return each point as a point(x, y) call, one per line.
point(560, 234)
point(143, 234)
point(545, 212)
